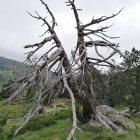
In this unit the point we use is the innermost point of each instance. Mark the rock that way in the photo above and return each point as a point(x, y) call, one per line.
point(107, 110)
point(122, 121)
point(138, 113)
point(62, 105)
point(119, 118)
point(125, 110)
point(127, 115)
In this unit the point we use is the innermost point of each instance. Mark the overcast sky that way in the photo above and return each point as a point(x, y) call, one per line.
point(18, 29)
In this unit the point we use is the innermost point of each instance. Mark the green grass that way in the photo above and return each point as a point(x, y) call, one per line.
point(61, 129)
point(57, 127)
point(12, 111)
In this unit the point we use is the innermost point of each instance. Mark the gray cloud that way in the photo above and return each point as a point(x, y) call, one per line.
point(18, 29)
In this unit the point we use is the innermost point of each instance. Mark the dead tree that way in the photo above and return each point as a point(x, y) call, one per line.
point(56, 58)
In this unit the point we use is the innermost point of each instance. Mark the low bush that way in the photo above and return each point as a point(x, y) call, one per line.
point(38, 122)
point(61, 115)
point(3, 121)
point(42, 120)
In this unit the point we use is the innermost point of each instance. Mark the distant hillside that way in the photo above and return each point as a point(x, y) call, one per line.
point(10, 69)
point(9, 64)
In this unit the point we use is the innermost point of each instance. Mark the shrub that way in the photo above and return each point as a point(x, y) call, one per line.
point(38, 122)
point(63, 114)
point(3, 121)
point(42, 120)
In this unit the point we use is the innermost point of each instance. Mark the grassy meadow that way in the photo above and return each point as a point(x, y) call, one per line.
point(54, 125)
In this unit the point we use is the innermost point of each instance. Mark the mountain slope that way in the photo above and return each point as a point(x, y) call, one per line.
point(10, 69)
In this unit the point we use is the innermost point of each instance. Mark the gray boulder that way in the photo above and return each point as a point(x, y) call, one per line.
point(120, 118)
point(122, 121)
